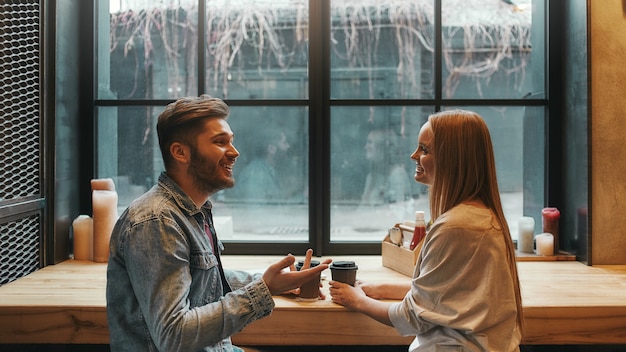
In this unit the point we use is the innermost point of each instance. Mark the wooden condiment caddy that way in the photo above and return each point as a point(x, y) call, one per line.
point(398, 258)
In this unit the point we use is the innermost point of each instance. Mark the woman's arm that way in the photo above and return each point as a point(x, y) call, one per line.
point(354, 298)
point(387, 290)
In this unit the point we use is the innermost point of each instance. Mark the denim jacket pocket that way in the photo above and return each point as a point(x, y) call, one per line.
point(202, 260)
point(205, 278)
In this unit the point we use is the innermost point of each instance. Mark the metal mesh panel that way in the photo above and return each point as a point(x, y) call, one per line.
point(19, 135)
point(19, 99)
point(19, 248)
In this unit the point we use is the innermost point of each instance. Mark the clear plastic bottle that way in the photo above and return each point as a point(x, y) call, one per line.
point(420, 229)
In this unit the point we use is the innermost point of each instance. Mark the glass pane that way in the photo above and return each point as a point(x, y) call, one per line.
point(517, 134)
point(128, 149)
point(147, 49)
point(362, 157)
point(381, 49)
point(257, 49)
point(372, 185)
point(269, 201)
point(492, 49)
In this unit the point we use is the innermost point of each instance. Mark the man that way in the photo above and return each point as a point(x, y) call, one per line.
point(166, 288)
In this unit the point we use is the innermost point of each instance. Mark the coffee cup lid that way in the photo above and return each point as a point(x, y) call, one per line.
point(343, 264)
point(301, 263)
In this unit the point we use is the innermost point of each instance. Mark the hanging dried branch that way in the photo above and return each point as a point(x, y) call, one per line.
point(493, 36)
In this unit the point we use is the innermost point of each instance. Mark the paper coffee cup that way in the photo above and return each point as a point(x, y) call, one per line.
point(310, 290)
point(344, 271)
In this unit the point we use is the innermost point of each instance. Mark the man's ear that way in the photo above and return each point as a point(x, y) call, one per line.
point(180, 152)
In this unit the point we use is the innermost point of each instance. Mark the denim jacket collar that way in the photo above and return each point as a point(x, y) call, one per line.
point(182, 199)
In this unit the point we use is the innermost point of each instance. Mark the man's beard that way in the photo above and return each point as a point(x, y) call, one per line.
point(205, 175)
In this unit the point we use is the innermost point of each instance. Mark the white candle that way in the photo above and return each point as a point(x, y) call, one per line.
point(525, 234)
point(102, 184)
point(104, 217)
point(82, 228)
point(545, 244)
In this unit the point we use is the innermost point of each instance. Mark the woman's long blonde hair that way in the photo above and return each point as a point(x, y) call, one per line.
point(465, 170)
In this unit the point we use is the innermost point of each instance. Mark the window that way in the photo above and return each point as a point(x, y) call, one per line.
point(327, 99)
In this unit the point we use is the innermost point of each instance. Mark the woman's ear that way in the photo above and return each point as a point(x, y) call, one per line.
point(180, 152)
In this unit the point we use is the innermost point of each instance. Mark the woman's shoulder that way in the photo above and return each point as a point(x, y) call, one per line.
point(466, 217)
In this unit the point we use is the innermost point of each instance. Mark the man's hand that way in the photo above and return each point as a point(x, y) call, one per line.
point(279, 280)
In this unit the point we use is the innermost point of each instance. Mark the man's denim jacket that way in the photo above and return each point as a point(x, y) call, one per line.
point(164, 291)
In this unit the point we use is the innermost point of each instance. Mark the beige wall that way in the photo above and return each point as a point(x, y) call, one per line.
point(608, 130)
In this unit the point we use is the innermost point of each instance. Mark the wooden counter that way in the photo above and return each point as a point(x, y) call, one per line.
point(565, 302)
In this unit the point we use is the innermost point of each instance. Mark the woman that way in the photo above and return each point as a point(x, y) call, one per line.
point(464, 295)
